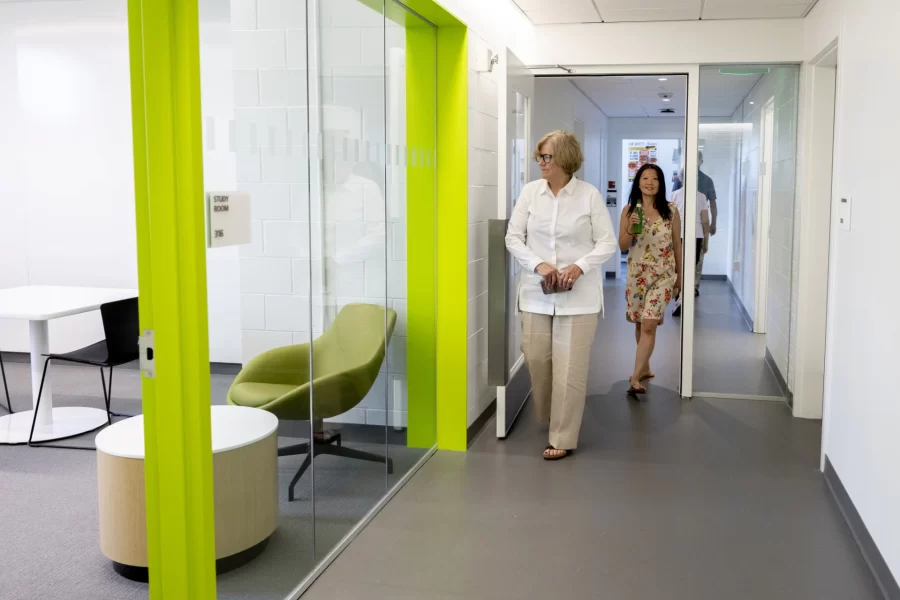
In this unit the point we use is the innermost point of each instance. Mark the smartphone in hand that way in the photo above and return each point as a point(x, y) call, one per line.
point(550, 284)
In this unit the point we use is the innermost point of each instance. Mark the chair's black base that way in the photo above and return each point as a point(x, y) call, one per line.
point(5, 387)
point(328, 443)
point(223, 565)
point(107, 393)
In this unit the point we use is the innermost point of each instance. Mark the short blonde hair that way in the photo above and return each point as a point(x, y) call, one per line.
point(566, 150)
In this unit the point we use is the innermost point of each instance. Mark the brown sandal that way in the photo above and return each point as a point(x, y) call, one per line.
point(634, 391)
point(564, 454)
point(645, 376)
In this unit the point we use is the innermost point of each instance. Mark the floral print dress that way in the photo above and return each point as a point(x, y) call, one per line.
point(651, 271)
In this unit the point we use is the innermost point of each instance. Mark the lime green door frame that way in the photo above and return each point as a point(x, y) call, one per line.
point(437, 228)
point(168, 168)
point(437, 231)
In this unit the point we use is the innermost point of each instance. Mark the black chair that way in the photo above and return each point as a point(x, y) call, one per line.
point(122, 330)
point(5, 388)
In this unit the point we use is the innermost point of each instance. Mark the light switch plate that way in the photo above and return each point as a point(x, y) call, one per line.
point(844, 208)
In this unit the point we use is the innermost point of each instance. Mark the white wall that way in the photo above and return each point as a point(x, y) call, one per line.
point(720, 143)
point(484, 106)
point(557, 104)
point(66, 171)
point(498, 23)
point(66, 187)
point(780, 86)
point(223, 274)
point(670, 43)
point(860, 430)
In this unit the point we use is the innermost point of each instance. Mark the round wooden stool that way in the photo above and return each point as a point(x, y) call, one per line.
point(245, 469)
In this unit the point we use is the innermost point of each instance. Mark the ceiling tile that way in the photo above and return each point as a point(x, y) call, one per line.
point(654, 14)
point(649, 10)
point(743, 9)
point(634, 96)
point(560, 11)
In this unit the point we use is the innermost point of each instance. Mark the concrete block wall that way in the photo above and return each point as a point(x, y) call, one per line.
point(484, 105)
point(784, 220)
point(329, 231)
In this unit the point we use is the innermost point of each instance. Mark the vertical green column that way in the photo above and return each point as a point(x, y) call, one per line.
point(421, 236)
point(165, 74)
point(452, 236)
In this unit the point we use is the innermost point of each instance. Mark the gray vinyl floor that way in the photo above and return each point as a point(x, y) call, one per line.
point(49, 546)
point(728, 357)
point(665, 499)
point(668, 499)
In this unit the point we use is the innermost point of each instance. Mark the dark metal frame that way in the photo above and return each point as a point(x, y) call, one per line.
point(5, 387)
point(330, 444)
point(107, 398)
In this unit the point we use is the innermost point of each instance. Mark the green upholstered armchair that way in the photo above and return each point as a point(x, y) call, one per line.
point(345, 362)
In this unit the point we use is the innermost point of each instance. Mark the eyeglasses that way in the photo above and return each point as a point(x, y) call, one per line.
point(546, 158)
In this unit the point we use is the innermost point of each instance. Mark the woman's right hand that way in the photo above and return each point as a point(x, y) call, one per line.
point(634, 219)
point(549, 274)
point(544, 269)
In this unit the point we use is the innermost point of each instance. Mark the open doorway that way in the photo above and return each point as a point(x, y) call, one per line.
point(622, 122)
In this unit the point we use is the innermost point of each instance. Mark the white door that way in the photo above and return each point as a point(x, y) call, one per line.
point(506, 363)
point(763, 216)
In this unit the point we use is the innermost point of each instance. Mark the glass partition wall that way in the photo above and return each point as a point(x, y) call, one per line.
point(333, 136)
point(744, 310)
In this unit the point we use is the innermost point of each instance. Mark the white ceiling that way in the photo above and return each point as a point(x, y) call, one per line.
point(721, 95)
point(639, 96)
point(634, 96)
point(551, 12)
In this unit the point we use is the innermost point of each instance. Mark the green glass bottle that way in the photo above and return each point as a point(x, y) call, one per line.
point(638, 228)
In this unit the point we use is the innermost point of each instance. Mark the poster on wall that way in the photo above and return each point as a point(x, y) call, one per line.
point(639, 154)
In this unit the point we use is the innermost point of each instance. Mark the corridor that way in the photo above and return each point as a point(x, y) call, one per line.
point(705, 499)
point(699, 499)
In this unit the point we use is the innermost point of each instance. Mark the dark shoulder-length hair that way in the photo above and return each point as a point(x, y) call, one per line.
point(661, 204)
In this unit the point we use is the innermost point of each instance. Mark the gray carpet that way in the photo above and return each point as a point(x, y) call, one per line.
point(49, 545)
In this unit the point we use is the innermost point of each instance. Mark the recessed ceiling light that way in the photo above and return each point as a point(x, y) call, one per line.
point(752, 102)
point(663, 78)
point(666, 100)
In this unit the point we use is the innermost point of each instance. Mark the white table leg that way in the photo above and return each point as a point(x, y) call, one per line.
point(39, 332)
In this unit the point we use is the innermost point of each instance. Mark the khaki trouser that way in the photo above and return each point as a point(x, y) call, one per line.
point(699, 272)
point(557, 351)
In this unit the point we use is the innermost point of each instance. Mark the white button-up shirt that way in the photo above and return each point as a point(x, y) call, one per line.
point(573, 227)
point(702, 204)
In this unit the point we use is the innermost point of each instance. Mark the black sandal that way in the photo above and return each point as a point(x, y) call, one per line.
point(564, 454)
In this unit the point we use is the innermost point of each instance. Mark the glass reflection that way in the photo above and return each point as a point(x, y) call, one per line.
point(743, 314)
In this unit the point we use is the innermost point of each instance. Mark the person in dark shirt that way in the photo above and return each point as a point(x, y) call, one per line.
point(706, 187)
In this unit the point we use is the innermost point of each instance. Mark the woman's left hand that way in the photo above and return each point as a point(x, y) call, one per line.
point(677, 284)
point(568, 276)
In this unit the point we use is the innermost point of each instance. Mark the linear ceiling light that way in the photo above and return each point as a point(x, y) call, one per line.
point(744, 71)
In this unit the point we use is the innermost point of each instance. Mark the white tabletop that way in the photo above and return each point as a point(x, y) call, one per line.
point(45, 302)
point(232, 427)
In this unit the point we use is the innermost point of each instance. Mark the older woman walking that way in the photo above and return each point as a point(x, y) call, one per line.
point(561, 233)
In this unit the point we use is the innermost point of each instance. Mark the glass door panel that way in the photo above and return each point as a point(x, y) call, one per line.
point(349, 265)
point(743, 314)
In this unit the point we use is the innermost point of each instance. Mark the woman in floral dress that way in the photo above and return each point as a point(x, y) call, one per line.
point(654, 265)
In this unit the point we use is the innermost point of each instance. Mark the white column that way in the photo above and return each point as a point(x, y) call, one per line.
point(39, 332)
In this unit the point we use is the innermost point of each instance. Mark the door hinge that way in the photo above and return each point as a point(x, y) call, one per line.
point(148, 360)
